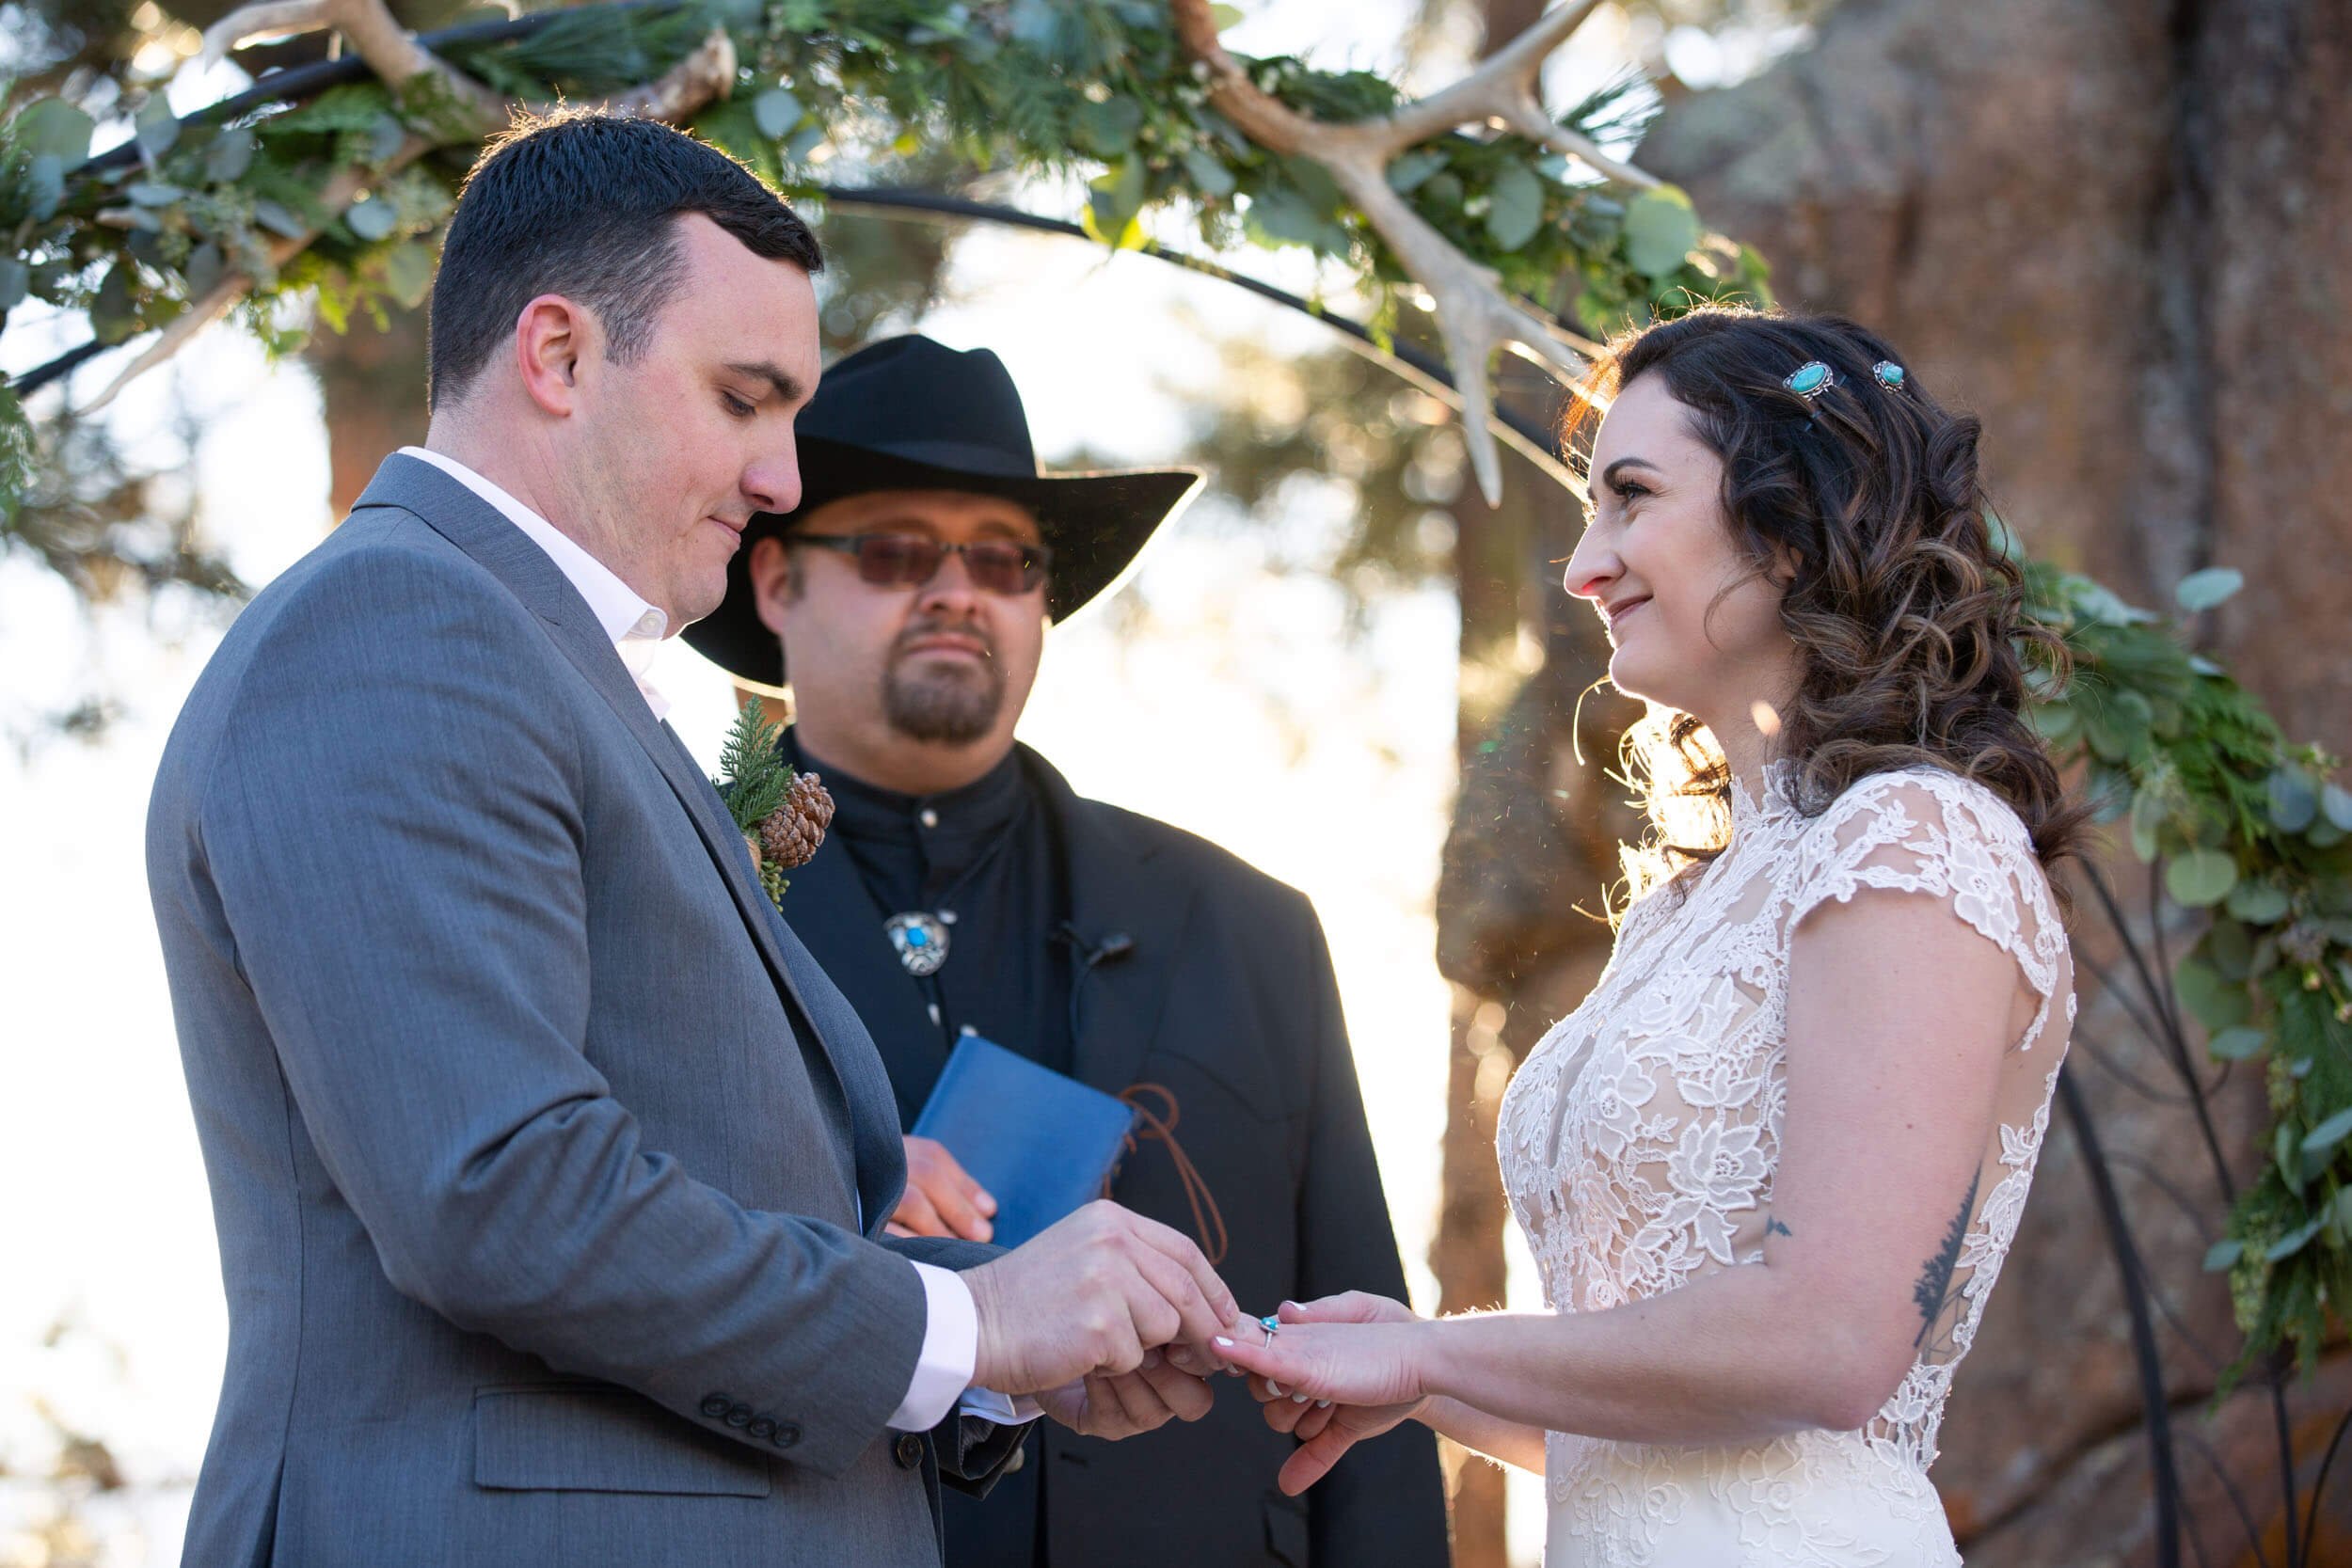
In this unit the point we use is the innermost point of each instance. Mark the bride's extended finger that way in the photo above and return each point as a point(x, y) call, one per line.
point(1348, 1306)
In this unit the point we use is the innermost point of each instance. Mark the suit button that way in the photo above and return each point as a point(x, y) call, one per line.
point(761, 1428)
point(787, 1433)
point(737, 1416)
point(715, 1405)
point(908, 1452)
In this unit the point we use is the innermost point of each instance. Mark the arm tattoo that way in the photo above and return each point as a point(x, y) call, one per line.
point(1933, 1294)
point(1774, 1227)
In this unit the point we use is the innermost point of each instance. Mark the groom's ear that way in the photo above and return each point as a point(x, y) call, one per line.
point(551, 344)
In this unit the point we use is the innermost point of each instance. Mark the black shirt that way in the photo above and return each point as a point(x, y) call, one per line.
point(984, 861)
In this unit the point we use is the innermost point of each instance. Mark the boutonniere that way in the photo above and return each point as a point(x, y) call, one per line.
point(781, 811)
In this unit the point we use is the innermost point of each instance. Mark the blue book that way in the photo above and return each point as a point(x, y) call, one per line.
point(1042, 1144)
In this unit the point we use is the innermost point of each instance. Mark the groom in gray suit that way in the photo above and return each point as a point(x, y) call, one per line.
point(549, 1170)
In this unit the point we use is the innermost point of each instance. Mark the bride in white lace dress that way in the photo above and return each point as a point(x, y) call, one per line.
point(1772, 1165)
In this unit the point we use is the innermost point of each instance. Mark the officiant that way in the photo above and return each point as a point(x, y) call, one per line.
point(966, 889)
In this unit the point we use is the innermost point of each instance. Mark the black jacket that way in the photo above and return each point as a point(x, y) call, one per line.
point(1228, 1000)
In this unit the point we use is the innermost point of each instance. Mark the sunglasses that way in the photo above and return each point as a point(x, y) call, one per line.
point(911, 561)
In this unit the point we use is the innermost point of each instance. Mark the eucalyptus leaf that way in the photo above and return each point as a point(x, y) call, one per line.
point(158, 127)
point(280, 220)
point(205, 268)
point(2237, 1044)
point(2335, 803)
point(2200, 878)
point(385, 138)
point(1209, 175)
point(2294, 801)
point(372, 219)
point(777, 111)
point(1107, 129)
point(113, 314)
point(229, 157)
point(2258, 903)
point(153, 193)
point(2201, 591)
point(44, 186)
point(408, 272)
point(1661, 229)
point(2223, 1255)
point(2212, 1000)
point(2286, 1152)
point(1517, 211)
point(1115, 196)
point(2324, 1138)
point(2294, 1241)
point(2149, 811)
point(53, 128)
point(1408, 170)
point(16, 280)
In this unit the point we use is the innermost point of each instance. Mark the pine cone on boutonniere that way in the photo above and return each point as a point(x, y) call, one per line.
point(781, 811)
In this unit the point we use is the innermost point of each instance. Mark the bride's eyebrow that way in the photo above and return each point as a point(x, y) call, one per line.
point(1608, 475)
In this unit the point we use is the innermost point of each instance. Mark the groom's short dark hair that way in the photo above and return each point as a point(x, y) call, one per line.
point(585, 205)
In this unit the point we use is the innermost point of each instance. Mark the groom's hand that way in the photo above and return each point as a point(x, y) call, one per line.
point(1154, 1394)
point(1088, 1297)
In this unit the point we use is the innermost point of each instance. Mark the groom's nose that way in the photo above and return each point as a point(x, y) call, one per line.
point(773, 479)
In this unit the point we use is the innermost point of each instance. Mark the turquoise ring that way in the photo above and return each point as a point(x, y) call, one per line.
point(1270, 1322)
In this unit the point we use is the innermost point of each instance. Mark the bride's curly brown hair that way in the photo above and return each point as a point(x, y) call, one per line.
point(1907, 616)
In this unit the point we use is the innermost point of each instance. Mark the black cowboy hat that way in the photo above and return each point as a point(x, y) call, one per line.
point(911, 414)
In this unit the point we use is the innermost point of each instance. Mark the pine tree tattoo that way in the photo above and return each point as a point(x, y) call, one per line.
point(781, 811)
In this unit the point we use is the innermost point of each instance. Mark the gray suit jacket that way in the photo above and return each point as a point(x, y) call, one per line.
point(537, 1142)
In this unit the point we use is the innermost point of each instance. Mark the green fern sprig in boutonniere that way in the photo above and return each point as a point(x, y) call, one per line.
point(781, 811)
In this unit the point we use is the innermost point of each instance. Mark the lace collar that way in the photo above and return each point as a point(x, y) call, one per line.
point(1778, 801)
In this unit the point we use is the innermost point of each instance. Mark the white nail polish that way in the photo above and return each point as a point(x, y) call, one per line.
point(1298, 1399)
point(1273, 1387)
point(1323, 1405)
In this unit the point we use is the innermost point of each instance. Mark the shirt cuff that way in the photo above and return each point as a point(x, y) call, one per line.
point(951, 1344)
point(943, 1368)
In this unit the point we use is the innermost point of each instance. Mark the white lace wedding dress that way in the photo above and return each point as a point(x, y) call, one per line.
point(1640, 1139)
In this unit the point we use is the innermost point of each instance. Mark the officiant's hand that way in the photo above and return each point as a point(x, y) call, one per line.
point(942, 1198)
point(1155, 1393)
point(1089, 1296)
point(1340, 1369)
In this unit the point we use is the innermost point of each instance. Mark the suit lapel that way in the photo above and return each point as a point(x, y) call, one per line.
point(832, 911)
point(477, 528)
point(1111, 892)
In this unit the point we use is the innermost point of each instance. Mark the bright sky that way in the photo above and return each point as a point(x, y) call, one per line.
point(1240, 711)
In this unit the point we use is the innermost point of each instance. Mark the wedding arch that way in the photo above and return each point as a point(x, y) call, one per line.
point(1470, 219)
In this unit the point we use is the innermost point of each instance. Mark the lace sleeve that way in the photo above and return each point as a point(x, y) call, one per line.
point(1935, 833)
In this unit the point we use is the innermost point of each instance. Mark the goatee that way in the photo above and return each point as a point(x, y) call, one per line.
point(944, 704)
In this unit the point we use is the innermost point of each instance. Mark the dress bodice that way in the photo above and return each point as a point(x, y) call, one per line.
point(1640, 1139)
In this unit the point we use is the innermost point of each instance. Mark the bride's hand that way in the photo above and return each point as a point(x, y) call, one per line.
point(1340, 1369)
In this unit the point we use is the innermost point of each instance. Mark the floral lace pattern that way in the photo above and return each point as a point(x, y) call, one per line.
point(1640, 1140)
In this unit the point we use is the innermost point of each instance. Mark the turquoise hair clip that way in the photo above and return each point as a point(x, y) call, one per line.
point(1812, 378)
point(1809, 380)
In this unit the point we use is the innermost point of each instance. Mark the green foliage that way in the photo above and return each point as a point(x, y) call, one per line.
point(757, 778)
point(2252, 829)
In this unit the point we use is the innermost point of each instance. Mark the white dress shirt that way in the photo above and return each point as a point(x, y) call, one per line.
point(951, 1334)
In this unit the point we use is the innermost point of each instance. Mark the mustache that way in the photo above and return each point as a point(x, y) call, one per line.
point(932, 626)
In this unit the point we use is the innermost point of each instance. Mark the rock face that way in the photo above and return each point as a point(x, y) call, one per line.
point(2117, 229)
